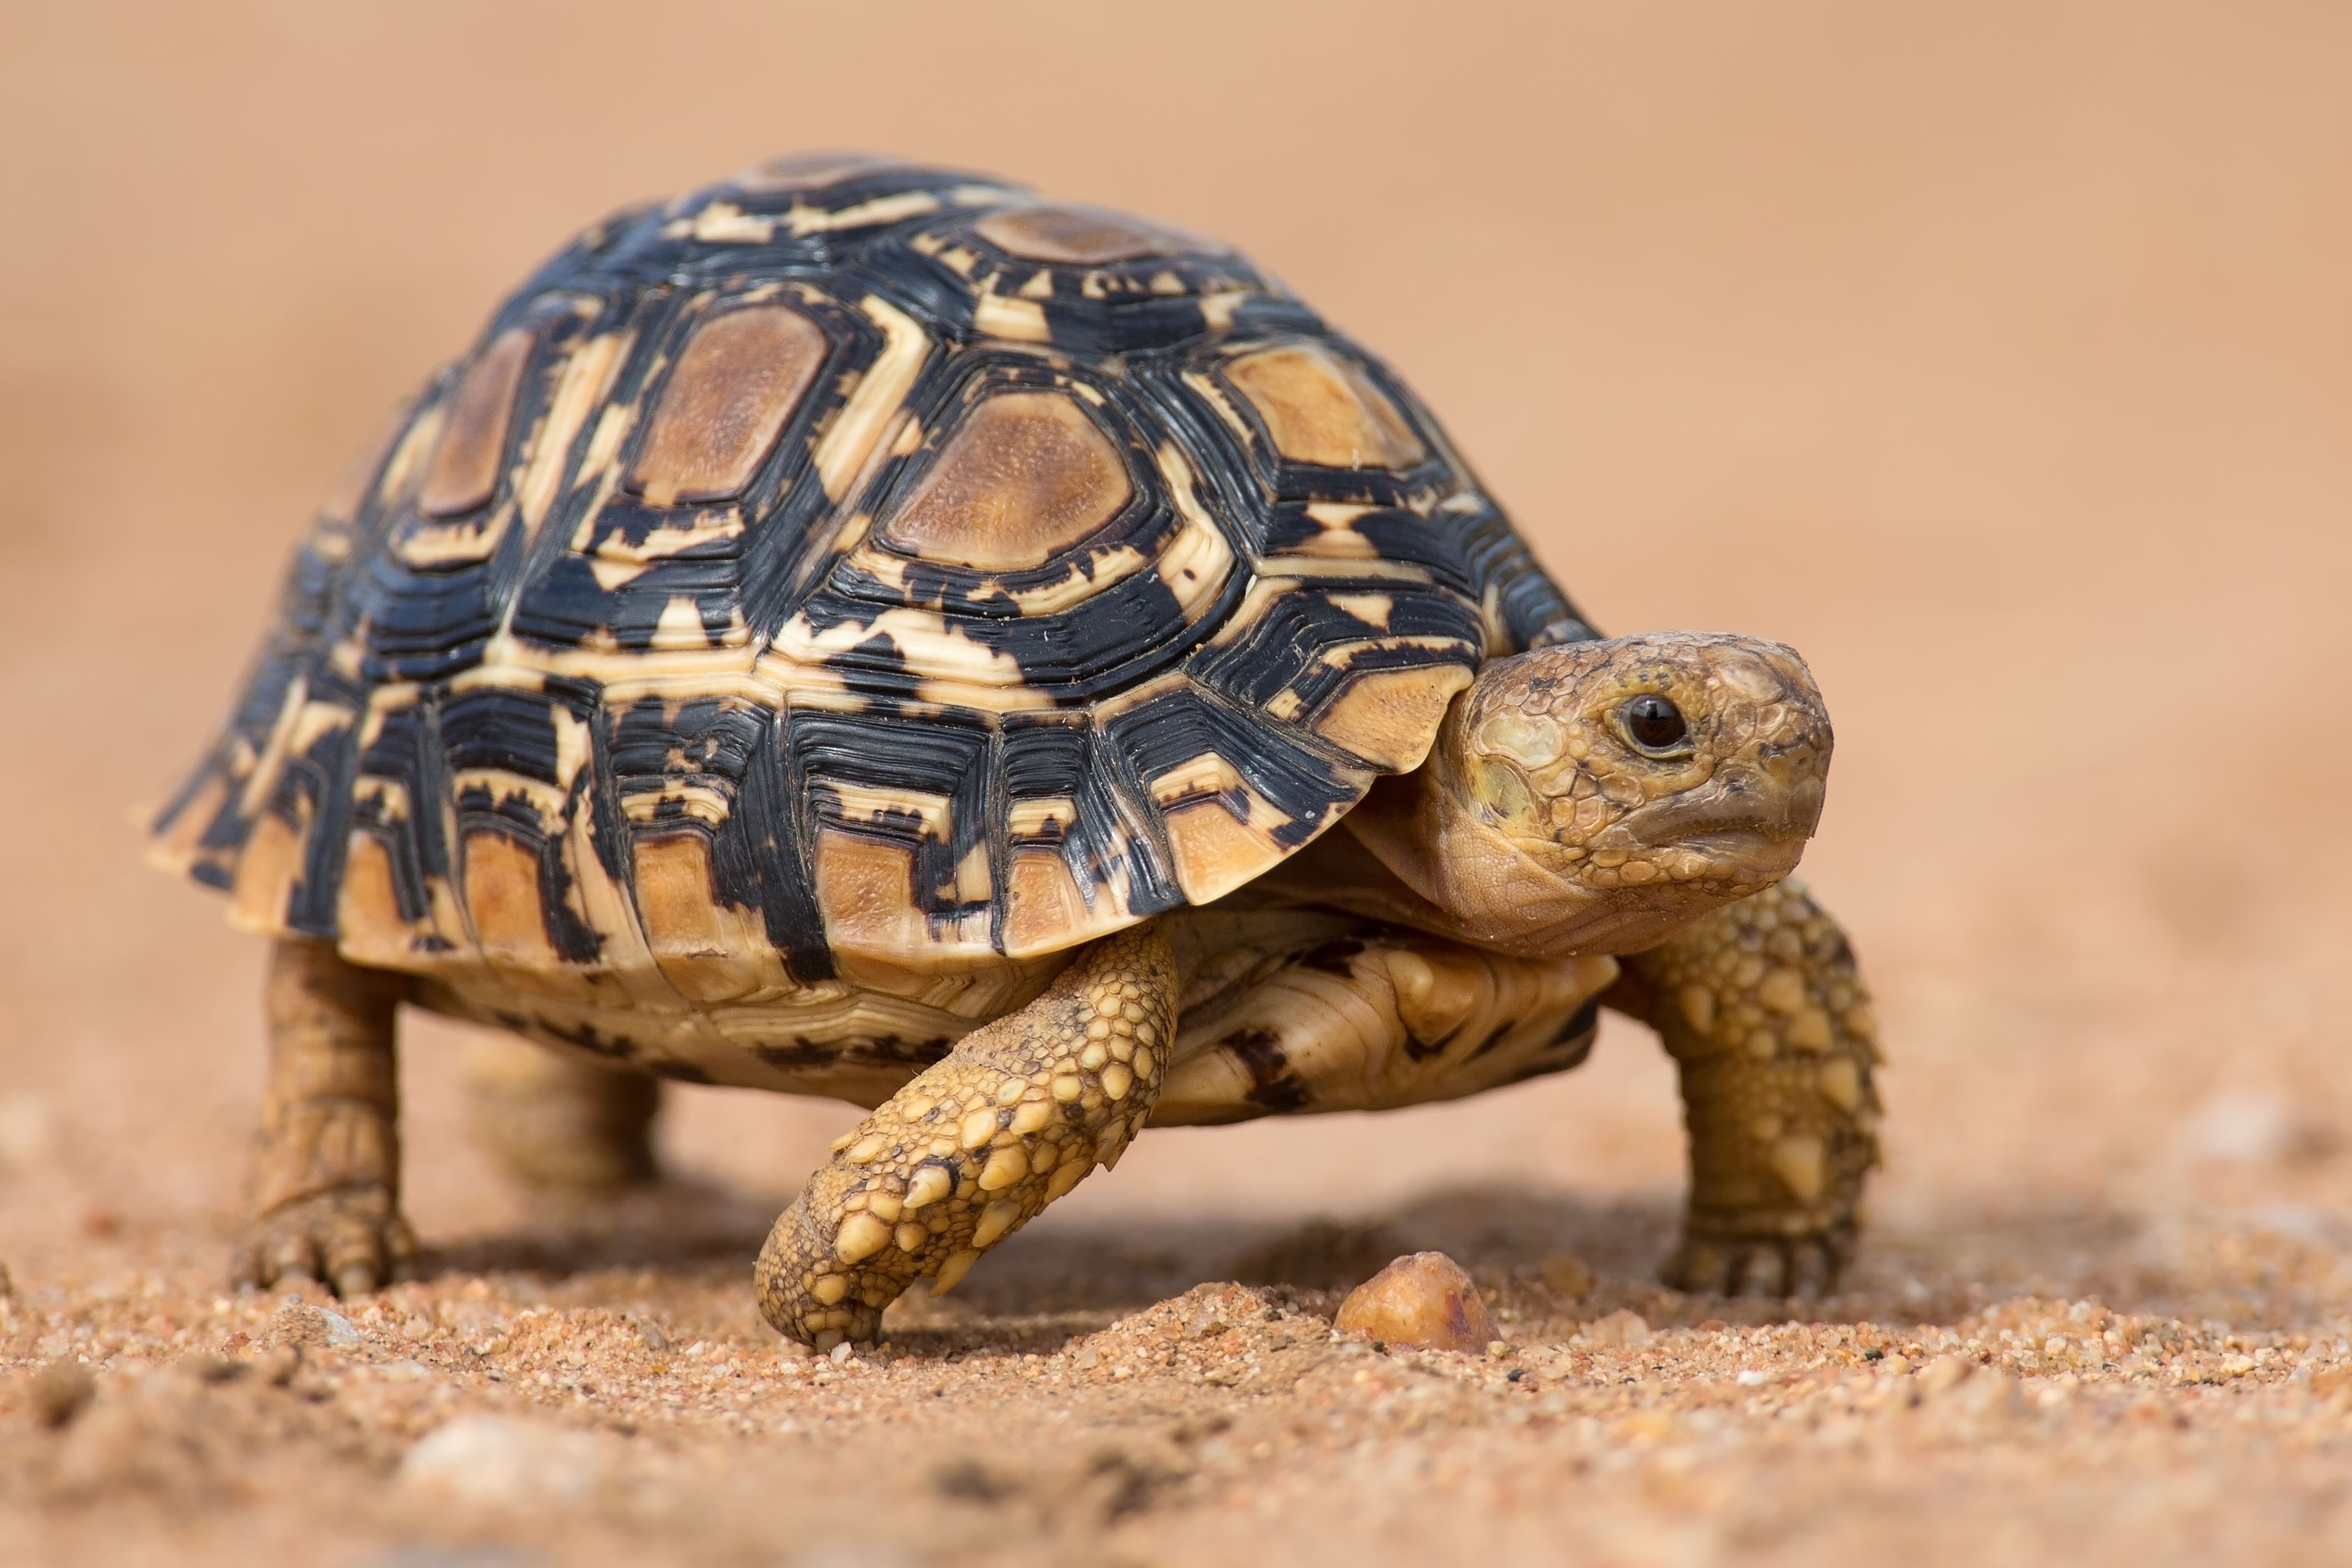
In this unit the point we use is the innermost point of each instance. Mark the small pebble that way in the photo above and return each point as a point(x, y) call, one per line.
point(1424, 1301)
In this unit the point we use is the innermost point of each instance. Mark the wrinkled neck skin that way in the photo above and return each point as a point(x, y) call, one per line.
point(1434, 865)
point(1538, 828)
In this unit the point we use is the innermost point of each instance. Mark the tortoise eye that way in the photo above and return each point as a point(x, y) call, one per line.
point(1655, 723)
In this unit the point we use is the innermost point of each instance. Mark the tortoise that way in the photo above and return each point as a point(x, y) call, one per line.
point(864, 630)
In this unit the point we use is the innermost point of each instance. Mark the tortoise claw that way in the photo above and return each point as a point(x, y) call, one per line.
point(1803, 1266)
point(353, 1242)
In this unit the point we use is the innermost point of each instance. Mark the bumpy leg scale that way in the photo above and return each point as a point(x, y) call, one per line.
point(977, 1145)
point(1760, 1006)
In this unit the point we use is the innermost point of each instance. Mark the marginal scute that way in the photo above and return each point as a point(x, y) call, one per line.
point(710, 951)
point(464, 468)
point(1388, 717)
point(1320, 409)
point(1023, 477)
point(1072, 235)
point(736, 385)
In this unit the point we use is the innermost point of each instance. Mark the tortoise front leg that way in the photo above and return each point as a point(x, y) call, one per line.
point(977, 1145)
point(1759, 1005)
point(323, 1199)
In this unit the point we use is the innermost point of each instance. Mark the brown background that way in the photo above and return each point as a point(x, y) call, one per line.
point(1999, 356)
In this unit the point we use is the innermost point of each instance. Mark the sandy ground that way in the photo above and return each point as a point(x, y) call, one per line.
point(1996, 355)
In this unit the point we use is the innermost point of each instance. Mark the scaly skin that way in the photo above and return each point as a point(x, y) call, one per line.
point(975, 1147)
point(1760, 1006)
point(324, 1192)
point(561, 1124)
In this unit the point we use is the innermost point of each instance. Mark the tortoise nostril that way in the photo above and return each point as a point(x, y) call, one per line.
point(1655, 723)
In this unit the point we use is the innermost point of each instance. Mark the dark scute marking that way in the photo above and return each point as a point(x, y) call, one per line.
point(929, 756)
point(1178, 726)
point(500, 727)
point(1533, 612)
point(423, 626)
point(1420, 1050)
point(679, 1071)
point(587, 1036)
point(886, 1049)
point(1284, 647)
point(322, 775)
point(405, 751)
point(1272, 1084)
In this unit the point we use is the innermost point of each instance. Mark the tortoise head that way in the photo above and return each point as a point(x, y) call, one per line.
point(1597, 797)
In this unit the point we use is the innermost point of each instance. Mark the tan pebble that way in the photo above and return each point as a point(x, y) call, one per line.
point(1132, 1013)
point(1011, 1089)
point(910, 1237)
point(1098, 1030)
point(1797, 1161)
point(843, 1141)
point(1861, 1023)
point(1638, 872)
point(1004, 1167)
point(1840, 1082)
point(1034, 1114)
point(1766, 1128)
point(1068, 1086)
point(1945, 1373)
point(1750, 971)
point(1147, 1066)
point(1782, 991)
point(931, 1184)
point(1698, 1003)
point(953, 1271)
point(978, 1129)
point(942, 1147)
point(1423, 1300)
point(994, 1221)
point(1093, 1057)
point(1123, 1049)
point(1066, 1175)
point(1763, 1045)
point(1621, 1327)
point(1147, 1034)
point(1116, 1080)
point(830, 1289)
point(861, 1236)
point(1110, 1006)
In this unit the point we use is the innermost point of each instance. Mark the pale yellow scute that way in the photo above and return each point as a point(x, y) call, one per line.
point(1023, 477)
point(464, 468)
point(736, 385)
point(1320, 409)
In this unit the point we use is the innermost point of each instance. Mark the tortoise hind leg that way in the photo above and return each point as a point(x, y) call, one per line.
point(1761, 1009)
point(977, 1145)
point(324, 1196)
point(562, 1125)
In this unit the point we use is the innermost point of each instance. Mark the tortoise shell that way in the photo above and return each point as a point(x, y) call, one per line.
point(852, 562)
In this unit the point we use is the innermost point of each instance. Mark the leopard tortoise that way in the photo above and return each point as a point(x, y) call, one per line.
point(862, 630)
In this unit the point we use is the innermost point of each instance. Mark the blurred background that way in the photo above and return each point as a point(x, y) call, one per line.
point(1998, 355)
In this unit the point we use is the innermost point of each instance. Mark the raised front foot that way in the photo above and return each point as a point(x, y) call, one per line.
point(975, 1148)
point(1760, 1006)
point(352, 1242)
